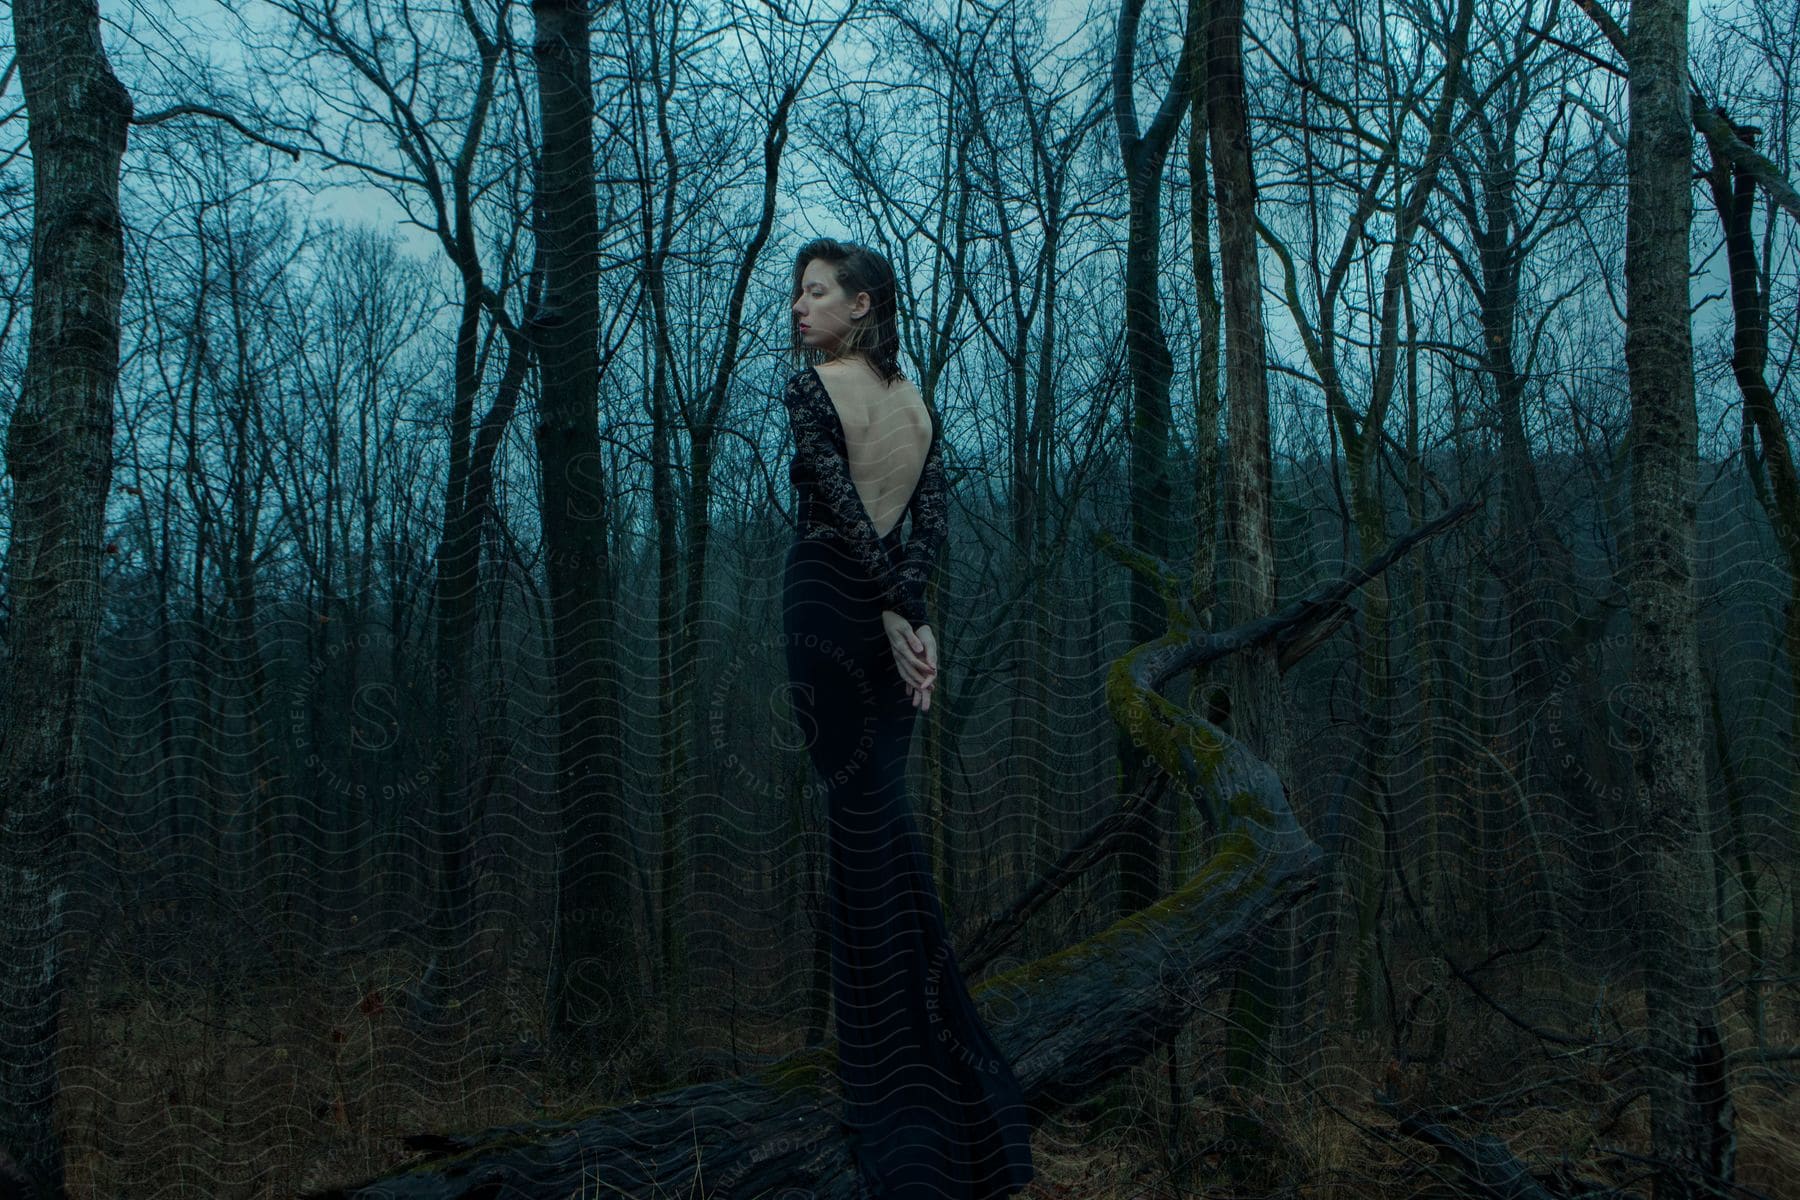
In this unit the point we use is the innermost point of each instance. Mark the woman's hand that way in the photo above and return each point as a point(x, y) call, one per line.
point(921, 696)
point(915, 654)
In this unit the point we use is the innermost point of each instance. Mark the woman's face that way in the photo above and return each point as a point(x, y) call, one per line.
point(824, 312)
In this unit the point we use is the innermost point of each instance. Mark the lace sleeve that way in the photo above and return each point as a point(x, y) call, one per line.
point(814, 447)
point(930, 524)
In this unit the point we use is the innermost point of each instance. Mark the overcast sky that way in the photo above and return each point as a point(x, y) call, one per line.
point(140, 33)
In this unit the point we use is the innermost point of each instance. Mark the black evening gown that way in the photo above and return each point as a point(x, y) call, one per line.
point(933, 1109)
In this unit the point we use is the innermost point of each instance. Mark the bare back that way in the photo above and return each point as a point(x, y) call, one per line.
point(887, 435)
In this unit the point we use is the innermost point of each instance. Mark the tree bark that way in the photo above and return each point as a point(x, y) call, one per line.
point(1264, 1005)
point(1773, 477)
point(595, 991)
point(1690, 1107)
point(59, 453)
point(1150, 369)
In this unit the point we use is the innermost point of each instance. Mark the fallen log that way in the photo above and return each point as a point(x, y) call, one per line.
point(1486, 1168)
point(1066, 1022)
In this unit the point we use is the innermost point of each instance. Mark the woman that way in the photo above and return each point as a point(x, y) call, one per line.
point(934, 1112)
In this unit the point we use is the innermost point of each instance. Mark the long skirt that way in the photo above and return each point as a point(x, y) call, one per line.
point(933, 1109)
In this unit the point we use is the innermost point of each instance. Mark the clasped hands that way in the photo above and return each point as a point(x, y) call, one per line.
point(916, 654)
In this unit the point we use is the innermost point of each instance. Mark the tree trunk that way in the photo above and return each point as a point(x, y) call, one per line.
point(1772, 475)
point(1535, 570)
point(1264, 1005)
point(594, 992)
point(1150, 369)
point(1690, 1106)
point(59, 453)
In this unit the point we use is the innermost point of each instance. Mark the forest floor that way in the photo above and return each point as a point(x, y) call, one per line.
point(174, 1088)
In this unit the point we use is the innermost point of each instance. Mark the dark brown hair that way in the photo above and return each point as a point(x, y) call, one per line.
point(857, 269)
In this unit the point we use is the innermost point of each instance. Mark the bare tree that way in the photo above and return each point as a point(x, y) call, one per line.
point(59, 454)
point(988, 234)
point(1758, 286)
point(595, 994)
point(687, 162)
point(1144, 151)
point(1510, 189)
point(401, 87)
point(1362, 428)
point(1264, 1000)
point(1690, 1100)
point(347, 458)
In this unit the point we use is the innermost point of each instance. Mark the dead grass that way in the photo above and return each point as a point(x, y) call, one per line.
point(258, 1092)
point(182, 1092)
point(1328, 1139)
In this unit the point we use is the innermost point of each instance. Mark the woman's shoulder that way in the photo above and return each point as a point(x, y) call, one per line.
point(854, 371)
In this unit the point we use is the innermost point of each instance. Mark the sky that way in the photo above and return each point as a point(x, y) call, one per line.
point(138, 32)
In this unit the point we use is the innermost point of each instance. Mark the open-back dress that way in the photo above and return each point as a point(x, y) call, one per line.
point(933, 1109)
